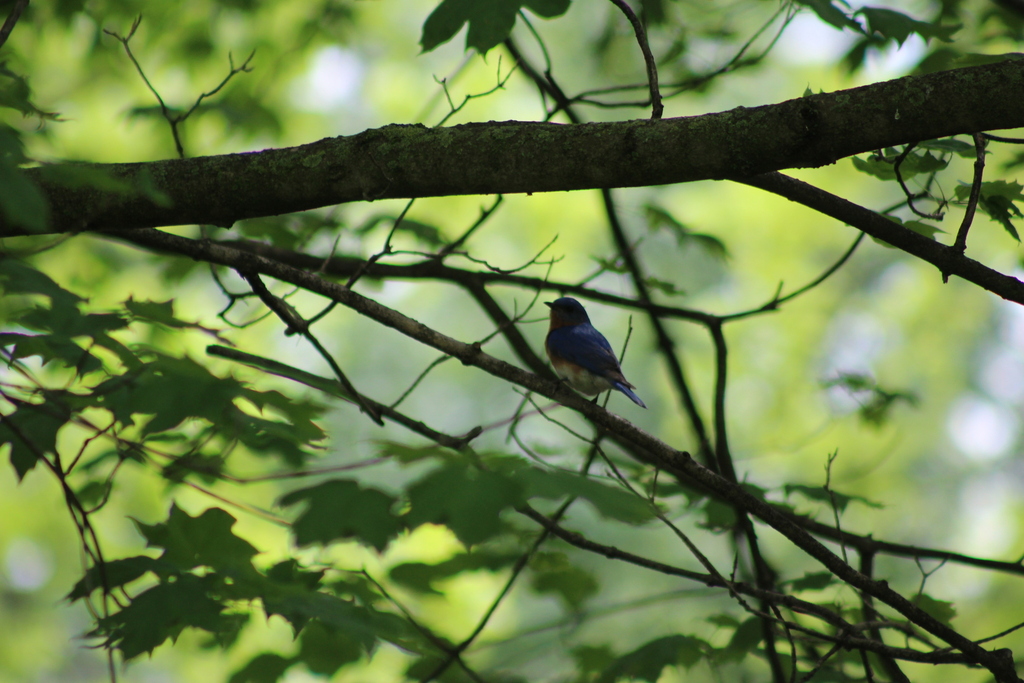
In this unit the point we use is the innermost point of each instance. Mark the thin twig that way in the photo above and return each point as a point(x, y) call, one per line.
point(722, 455)
point(12, 19)
point(334, 388)
point(438, 642)
point(821, 662)
point(484, 215)
point(735, 63)
point(870, 616)
point(1001, 633)
point(517, 569)
point(384, 251)
point(1001, 138)
point(911, 196)
point(652, 66)
point(832, 499)
point(777, 300)
point(960, 245)
point(453, 109)
point(174, 119)
point(294, 322)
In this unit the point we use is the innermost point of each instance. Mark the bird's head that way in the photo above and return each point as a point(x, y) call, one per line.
point(566, 311)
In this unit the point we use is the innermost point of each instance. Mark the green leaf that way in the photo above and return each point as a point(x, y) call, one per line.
point(116, 573)
point(93, 491)
point(744, 640)
point(940, 609)
point(424, 232)
point(660, 218)
point(206, 540)
point(592, 659)
point(554, 573)
point(426, 666)
point(163, 612)
point(1001, 210)
point(467, 500)
point(16, 94)
point(49, 348)
point(897, 26)
point(291, 572)
point(270, 436)
point(19, 277)
point(325, 650)
point(166, 388)
point(997, 199)
point(812, 581)
point(831, 14)
point(12, 146)
point(362, 624)
point(549, 9)
point(926, 229)
point(490, 21)
point(264, 668)
point(410, 454)
point(298, 605)
point(663, 286)
point(31, 430)
point(820, 494)
point(652, 12)
point(611, 501)
point(875, 402)
point(70, 322)
point(340, 510)
point(300, 414)
point(611, 265)
point(648, 661)
point(951, 146)
point(421, 577)
point(874, 165)
point(159, 312)
point(62, 319)
point(21, 200)
point(724, 620)
point(1011, 190)
point(914, 164)
point(718, 516)
point(289, 231)
point(209, 467)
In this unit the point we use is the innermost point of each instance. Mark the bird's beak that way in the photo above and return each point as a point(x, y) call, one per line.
point(549, 304)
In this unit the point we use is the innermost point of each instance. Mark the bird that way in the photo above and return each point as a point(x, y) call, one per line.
point(580, 354)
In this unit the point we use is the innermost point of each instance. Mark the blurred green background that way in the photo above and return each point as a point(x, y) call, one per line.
point(945, 469)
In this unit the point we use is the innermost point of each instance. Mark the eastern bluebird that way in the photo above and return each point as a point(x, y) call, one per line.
point(580, 354)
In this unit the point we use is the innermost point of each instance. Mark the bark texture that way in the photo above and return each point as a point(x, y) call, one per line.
point(512, 157)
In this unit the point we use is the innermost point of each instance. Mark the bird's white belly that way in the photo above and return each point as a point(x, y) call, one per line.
point(582, 380)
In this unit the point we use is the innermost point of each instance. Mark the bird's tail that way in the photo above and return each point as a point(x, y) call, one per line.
point(628, 392)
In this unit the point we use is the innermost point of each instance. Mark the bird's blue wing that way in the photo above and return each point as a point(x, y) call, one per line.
point(584, 346)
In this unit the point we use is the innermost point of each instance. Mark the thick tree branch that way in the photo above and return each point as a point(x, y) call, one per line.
point(948, 260)
point(507, 157)
point(845, 628)
point(475, 281)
